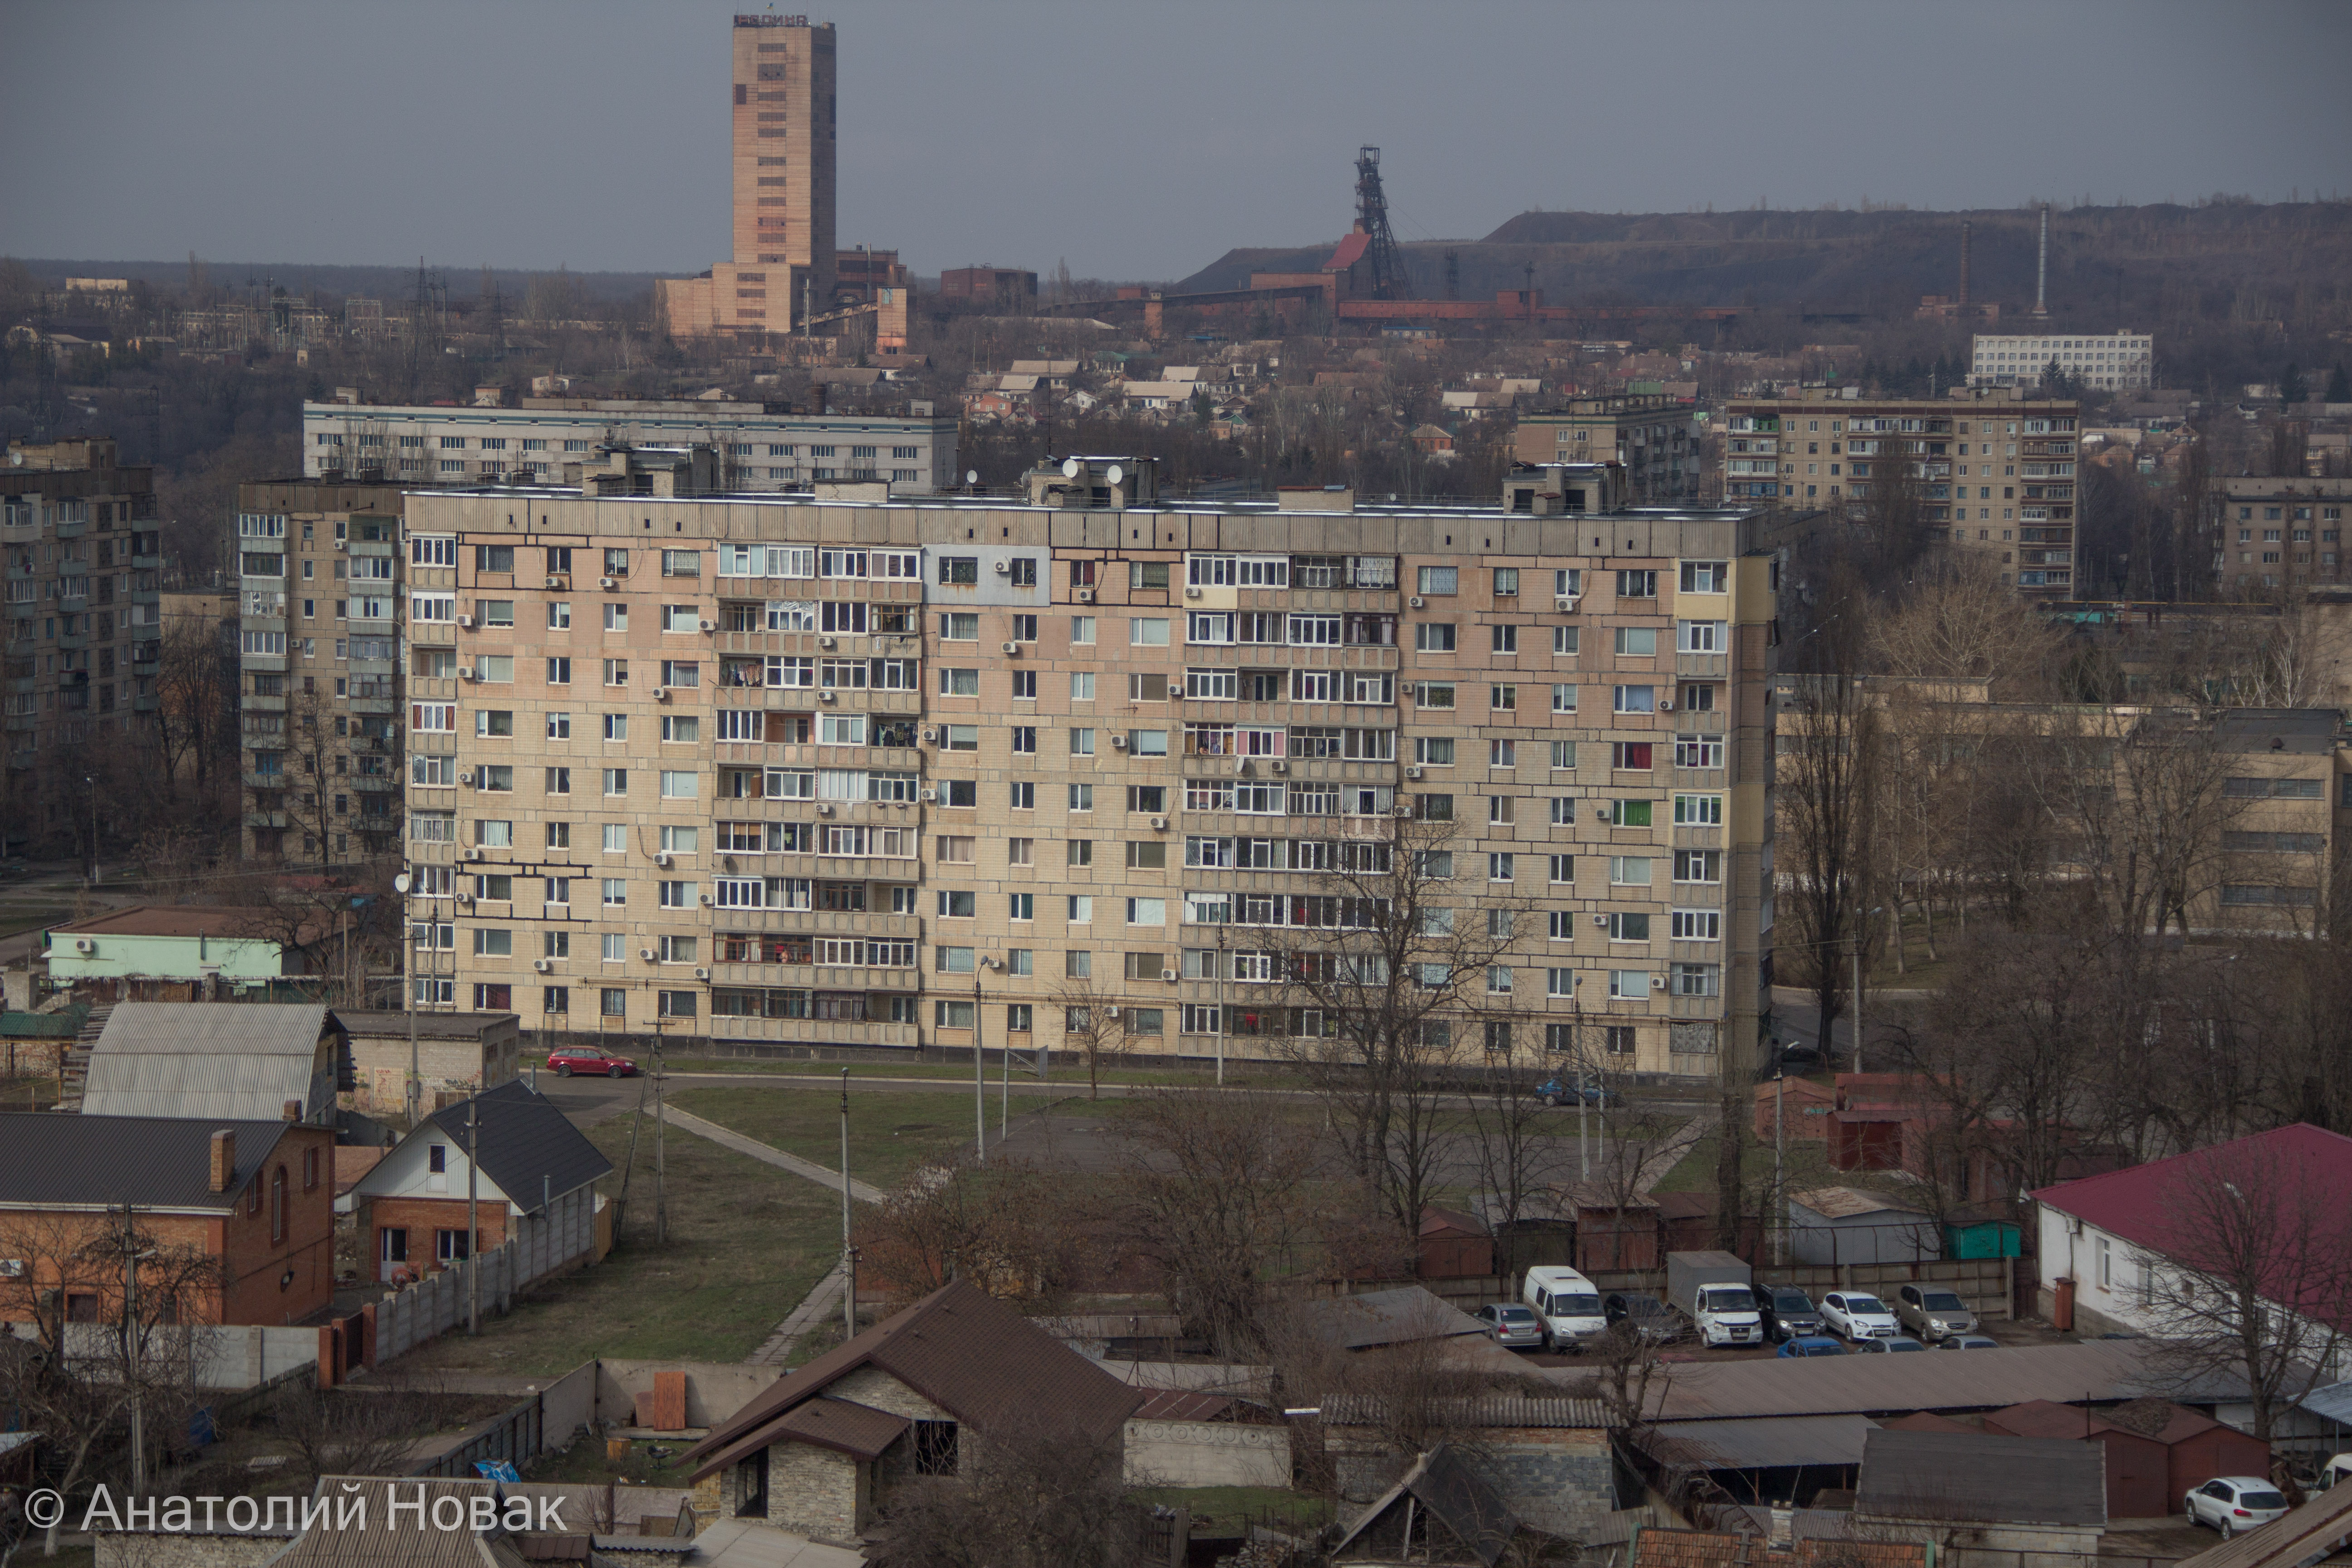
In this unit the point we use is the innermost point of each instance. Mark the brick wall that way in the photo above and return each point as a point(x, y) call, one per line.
point(421, 1217)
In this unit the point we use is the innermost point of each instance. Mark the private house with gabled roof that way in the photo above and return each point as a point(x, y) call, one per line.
point(535, 1182)
point(255, 1197)
point(920, 1394)
point(227, 1061)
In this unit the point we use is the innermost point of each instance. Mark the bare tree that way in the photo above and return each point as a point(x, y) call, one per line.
point(359, 1431)
point(2144, 797)
point(1042, 1497)
point(1385, 960)
point(1827, 784)
point(1512, 1128)
point(2251, 1274)
point(1094, 1025)
point(1004, 1227)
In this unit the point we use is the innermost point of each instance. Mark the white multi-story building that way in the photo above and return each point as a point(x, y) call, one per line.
point(761, 446)
point(2122, 363)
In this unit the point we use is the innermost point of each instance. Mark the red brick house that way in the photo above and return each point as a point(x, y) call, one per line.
point(255, 1197)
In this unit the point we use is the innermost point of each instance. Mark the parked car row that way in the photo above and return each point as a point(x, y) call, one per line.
point(1561, 1309)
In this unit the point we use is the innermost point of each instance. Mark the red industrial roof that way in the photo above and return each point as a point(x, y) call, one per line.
point(2298, 1169)
point(1351, 251)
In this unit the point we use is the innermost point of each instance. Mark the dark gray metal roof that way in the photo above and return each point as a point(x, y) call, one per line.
point(1392, 1317)
point(1474, 1410)
point(2305, 732)
point(1867, 1385)
point(523, 1139)
point(1447, 1488)
point(429, 1025)
point(153, 1162)
point(208, 1059)
point(1763, 1441)
point(1978, 1477)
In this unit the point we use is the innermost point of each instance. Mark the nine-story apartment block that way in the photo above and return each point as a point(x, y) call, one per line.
point(866, 770)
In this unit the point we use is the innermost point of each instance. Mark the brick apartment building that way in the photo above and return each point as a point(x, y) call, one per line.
point(2274, 533)
point(864, 770)
point(79, 534)
point(780, 173)
point(1649, 433)
point(1996, 467)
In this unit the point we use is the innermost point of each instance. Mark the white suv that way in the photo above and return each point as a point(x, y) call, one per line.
point(2232, 1503)
point(1568, 1304)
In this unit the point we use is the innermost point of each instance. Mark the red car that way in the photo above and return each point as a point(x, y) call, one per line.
point(589, 1059)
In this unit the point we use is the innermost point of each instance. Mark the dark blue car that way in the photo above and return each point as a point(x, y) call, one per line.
point(1812, 1344)
point(1559, 1091)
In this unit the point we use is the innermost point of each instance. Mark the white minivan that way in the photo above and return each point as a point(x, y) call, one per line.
point(1567, 1305)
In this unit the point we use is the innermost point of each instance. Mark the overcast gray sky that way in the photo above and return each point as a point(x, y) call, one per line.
point(1134, 141)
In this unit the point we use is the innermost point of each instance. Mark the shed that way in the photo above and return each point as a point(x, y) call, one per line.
point(1977, 1232)
point(1784, 1459)
point(456, 1055)
point(1615, 1230)
point(2042, 1486)
point(2138, 1485)
point(1835, 1225)
point(1453, 1245)
point(227, 1061)
point(1802, 1108)
point(1440, 1509)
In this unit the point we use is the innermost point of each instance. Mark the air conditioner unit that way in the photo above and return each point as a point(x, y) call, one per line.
point(465, 775)
point(606, 584)
point(662, 859)
point(338, 544)
point(1086, 595)
point(931, 797)
point(1005, 568)
point(1657, 982)
point(994, 962)
point(706, 900)
point(708, 625)
point(1565, 602)
point(1601, 920)
point(1013, 647)
point(1400, 811)
point(1191, 591)
point(1175, 692)
point(702, 975)
point(1118, 743)
point(825, 811)
point(465, 623)
point(471, 854)
point(84, 944)
point(647, 954)
point(468, 672)
point(542, 964)
point(1414, 602)
point(825, 642)
point(1601, 814)
point(1159, 823)
point(1168, 975)
point(931, 737)
point(661, 693)
point(1411, 772)
point(1110, 1011)
point(1667, 706)
point(827, 696)
point(1279, 766)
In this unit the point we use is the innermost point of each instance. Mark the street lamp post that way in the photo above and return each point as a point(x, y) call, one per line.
point(848, 1253)
point(401, 884)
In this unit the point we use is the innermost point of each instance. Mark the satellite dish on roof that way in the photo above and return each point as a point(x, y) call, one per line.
point(1115, 473)
point(1069, 467)
point(972, 476)
point(400, 883)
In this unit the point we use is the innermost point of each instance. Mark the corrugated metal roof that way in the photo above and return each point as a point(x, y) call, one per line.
point(1390, 1316)
point(230, 1060)
point(441, 1025)
point(153, 1162)
point(1474, 1410)
point(1948, 1380)
point(1763, 1442)
point(1845, 1202)
point(1955, 1476)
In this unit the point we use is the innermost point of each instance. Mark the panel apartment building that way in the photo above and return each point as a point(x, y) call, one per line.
point(1649, 433)
point(761, 446)
point(866, 770)
point(2125, 362)
point(85, 627)
point(780, 168)
point(1996, 467)
point(2274, 533)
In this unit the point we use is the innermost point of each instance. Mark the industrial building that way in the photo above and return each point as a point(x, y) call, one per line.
point(2125, 362)
point(861, 769)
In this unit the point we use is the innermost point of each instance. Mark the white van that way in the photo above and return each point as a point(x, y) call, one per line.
point(1568, 1304)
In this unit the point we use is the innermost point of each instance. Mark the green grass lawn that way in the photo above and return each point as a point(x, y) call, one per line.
point(890, 1135)
point(746, 1242)
point(1807, 1165)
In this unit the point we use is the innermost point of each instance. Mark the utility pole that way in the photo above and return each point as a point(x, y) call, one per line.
point(130, 1349)
point(473, 1217)
point(401, 885)
point(661, 1183)
point(849, 1254)
point(1221, 1006)
point(1004, 1082)
point(1856, 941)
point(1780, 1144)
point(978, 1080)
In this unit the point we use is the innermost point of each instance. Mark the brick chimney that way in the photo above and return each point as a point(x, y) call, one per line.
point(223, 1161)
point(293, 1110)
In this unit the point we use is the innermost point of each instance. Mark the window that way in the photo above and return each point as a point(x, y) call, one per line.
point(1629, 927)
point(1634, 699)
point(1695, 979)
point(1433, 637)
point(1558, 982)
point(1499, 866)
point(1696, 925)
point(1147, 632)
point(1502, 698)
point(1565, 640)
point(1631, 756)
point(1698, 810)
point(1708, 576)
point(1563, 869)
point(1082, 743)
point(1629, 870)
point(956, 905)
point(1698, 751)
point(1506, 581)
point(1147, 574)
point(1700, 636)
point(1637, 585)
point(1698, 865)
point(1628, 984)
point(1501, 753)
point(1502, 809)
point(1437, 580)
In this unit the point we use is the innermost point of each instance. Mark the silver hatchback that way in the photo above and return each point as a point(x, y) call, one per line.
point(1511, 1325)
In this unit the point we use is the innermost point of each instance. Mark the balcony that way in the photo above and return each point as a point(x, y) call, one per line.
point(1702, 665)
point(22, 722)
point(265, 820)
point(145, 702)
point(255, 702)
point(377, 705)
point(72, 526)
point(818, 977)
point(816, 1032)
point(379, 547)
